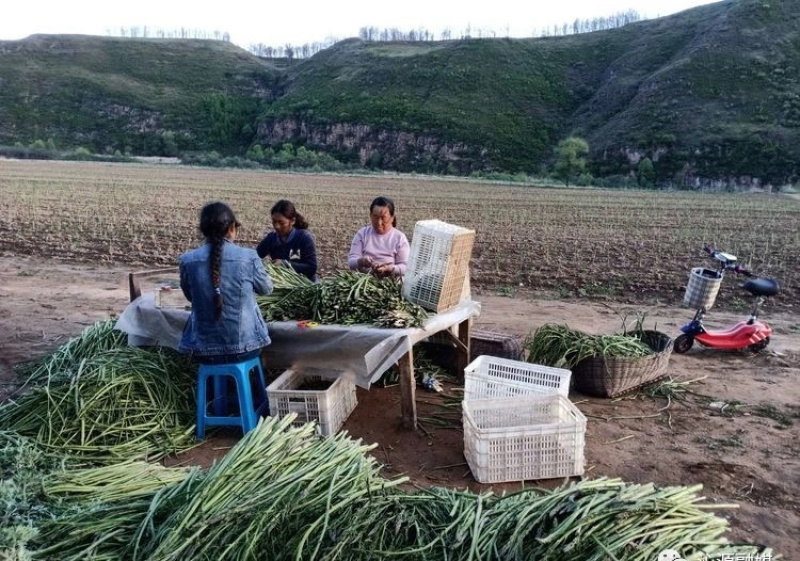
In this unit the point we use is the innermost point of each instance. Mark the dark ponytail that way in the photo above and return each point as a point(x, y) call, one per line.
point(216, 220)
point(286, 208)
point(387, 202)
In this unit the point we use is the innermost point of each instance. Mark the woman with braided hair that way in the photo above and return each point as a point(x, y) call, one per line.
point(221, 279)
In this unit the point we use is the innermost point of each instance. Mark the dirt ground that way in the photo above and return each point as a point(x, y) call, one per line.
point(747, 453)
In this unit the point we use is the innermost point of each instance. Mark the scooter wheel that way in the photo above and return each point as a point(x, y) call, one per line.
point(683, 343)
point(758, 347)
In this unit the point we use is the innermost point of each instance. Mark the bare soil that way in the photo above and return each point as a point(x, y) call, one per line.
point(746, 453)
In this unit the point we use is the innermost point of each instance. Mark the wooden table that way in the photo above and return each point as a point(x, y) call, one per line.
point(408, 384)
point(408, 406)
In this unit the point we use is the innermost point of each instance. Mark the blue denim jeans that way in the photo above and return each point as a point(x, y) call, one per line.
point(228, 359)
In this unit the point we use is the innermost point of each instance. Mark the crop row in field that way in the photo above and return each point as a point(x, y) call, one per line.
point(571, 241)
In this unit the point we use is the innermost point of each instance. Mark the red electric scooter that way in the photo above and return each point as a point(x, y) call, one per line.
point(751, 335)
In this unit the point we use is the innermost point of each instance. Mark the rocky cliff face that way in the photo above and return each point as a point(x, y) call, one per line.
point(388, 149)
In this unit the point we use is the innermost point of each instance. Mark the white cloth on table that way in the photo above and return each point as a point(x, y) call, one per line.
point(146, 324)
point(362, 351)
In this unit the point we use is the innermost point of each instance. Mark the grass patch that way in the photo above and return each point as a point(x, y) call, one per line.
point(733, 441)
point(506, 291)
point(770, 411)
point(595, 289)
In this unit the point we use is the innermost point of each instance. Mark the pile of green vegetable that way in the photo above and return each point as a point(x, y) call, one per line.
point(285, 493)
point(345, 298)
point(52, 505)
point(564, 347)
point(99, 400)
point(72, 486)
point(94, 340)
point(99, 509)
point(23, 467)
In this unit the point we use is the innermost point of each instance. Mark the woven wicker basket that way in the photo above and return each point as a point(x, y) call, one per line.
point(702, 288)
point(492, 343)
point(613, 376)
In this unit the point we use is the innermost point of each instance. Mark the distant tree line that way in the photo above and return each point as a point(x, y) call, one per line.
point(590, 25)
point(421, 35)
point(181, 33)
point(47, 150)
point(375, 34)
point(395, 34)
point(290, 51)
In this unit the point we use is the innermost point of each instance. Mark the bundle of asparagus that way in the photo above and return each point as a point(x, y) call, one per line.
point(564, 347)
point(345, 298)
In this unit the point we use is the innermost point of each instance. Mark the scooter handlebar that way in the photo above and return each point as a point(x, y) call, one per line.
point(729, 266)
point(741, 270)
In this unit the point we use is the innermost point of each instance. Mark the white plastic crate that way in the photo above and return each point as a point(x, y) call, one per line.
point(437, 275)
point(521, 438)
point(491, 376)
point(702, 288)
point(329, 408)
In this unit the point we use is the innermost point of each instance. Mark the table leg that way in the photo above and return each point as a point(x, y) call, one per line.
point(134, 286)
point(408, 404)
point(463, 352)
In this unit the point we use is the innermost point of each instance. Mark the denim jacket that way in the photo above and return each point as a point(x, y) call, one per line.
point(240, 328)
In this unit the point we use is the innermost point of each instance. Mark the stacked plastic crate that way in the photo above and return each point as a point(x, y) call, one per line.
point(437, 276)
point(328, 407)
point(519, 422)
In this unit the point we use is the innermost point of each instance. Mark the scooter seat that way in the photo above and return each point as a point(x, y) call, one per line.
point(762, 287)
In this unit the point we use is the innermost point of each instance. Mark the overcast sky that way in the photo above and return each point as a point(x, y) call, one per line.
point(276, 23)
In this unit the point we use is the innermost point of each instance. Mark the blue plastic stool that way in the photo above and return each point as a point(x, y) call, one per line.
point(248, 411)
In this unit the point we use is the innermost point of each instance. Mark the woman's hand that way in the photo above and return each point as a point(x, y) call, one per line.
point(384, 270)
point(277, 261)
point(365, 263)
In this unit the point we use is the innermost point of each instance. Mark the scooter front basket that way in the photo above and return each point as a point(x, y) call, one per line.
point(702, 289)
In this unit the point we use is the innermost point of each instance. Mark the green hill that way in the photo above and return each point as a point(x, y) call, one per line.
point(147, 95)
point(711, 92)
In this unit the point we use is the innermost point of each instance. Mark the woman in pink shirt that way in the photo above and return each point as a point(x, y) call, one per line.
point(380, 248)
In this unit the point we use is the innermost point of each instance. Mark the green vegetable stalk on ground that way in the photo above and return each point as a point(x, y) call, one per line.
point(284, 493)
point(95, 339)
point(71, 488)
point(119, 404)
